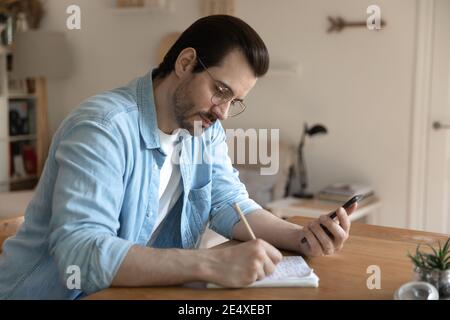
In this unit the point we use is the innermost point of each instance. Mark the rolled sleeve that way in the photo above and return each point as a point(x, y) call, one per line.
point(87, 198)
point(225, 217)
point(227, 189)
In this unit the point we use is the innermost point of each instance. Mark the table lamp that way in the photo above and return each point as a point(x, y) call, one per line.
point(41, 55)
point(303, 178)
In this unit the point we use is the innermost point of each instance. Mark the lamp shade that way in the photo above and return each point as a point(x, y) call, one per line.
point(38, 53)
point(316, 129)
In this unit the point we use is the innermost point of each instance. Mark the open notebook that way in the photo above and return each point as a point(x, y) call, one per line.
point(292, 271)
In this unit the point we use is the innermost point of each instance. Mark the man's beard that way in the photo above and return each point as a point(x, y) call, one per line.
point(183, 109)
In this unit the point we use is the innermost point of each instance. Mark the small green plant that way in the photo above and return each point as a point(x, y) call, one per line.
point(437, 259)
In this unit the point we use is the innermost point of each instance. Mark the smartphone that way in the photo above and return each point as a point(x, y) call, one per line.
point(348, 204)
point(333, 214)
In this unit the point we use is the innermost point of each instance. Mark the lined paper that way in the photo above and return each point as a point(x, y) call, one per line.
point(290, 267)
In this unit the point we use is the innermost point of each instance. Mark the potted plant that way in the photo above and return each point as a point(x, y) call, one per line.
point(433, 266)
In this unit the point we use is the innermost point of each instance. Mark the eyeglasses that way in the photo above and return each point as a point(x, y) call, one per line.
point(223, 94)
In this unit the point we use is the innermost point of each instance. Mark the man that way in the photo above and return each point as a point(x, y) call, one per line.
point(123, 200)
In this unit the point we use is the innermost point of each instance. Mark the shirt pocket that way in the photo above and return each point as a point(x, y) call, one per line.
point(200, 204)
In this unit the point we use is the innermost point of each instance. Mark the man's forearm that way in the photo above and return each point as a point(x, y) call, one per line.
point(144, 266)
point(278, 232)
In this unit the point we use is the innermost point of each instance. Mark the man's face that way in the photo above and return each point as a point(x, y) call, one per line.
point(192, 98)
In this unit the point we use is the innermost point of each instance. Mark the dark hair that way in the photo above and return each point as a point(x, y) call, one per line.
point(213, 37)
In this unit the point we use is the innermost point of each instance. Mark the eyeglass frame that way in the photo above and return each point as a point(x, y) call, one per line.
point(220, 85)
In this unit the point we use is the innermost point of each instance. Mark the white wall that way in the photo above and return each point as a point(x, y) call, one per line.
point(112, 47)
point(358, 82)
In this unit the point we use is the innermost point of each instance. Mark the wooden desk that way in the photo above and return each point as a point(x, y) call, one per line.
point(342, 276)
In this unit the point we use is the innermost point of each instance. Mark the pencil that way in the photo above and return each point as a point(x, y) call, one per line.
point(241, 215)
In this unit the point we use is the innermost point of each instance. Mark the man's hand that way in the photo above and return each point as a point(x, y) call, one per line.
point(241, 265)
point(319, 243)
point(233, 266)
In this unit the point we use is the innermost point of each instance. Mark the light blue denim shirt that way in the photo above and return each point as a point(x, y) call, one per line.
point(98, 196)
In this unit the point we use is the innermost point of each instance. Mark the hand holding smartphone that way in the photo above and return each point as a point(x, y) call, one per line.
point(333, 214)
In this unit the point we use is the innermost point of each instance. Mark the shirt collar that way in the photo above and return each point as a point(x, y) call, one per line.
point(148, 125)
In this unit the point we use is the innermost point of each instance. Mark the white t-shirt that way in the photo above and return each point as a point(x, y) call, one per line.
point(170, 187)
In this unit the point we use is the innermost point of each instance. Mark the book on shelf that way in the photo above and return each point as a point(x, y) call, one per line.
point(22, 119)
point(23, 159)
point(341, 192)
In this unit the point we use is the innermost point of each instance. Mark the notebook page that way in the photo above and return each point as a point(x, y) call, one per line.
point(292, 271)
point(290, 267)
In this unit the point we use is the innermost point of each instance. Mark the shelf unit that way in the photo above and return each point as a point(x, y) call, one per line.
point(148, 6)
point(23, 141)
